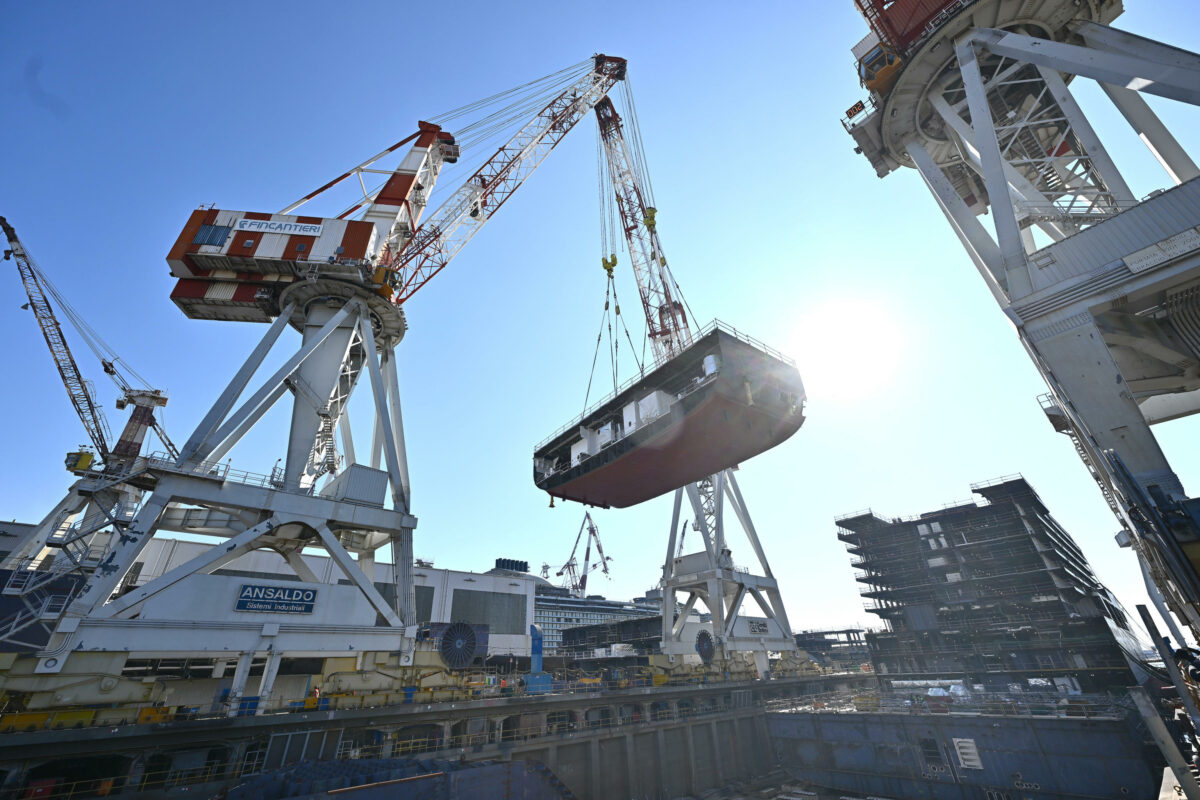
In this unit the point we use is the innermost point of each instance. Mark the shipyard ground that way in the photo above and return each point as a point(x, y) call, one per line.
point(665, 741)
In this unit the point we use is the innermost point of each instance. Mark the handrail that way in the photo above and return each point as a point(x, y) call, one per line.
point(977, 703)
point(399, 745)
point(715, 324)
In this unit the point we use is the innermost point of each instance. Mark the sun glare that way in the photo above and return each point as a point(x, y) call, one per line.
point(849, 348)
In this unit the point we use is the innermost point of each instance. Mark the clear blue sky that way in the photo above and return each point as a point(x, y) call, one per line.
point(119, 119)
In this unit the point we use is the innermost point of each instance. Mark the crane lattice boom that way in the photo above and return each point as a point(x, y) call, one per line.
point(576, 577)
point(77, 388)
point(666, 320)
point(440, 238)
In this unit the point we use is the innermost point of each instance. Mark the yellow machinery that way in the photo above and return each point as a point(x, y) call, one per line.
point(878, 69)
point(80, 460)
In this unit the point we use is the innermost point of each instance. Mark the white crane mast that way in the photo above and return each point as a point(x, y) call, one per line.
point(666, 318)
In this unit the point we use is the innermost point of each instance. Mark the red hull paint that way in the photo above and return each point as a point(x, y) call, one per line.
point(718, 433)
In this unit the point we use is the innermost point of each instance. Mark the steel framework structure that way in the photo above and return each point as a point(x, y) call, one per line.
point(349, 324)
point(708, 576)
point(1108, 313)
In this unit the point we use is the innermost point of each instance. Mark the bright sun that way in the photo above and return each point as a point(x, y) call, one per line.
point(849, 348)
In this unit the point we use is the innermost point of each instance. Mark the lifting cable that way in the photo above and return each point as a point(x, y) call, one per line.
point(103, 352)
point(498, 114)
point(612, 308)
point(610, 238)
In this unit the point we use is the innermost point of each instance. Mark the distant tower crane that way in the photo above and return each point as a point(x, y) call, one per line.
point(978, 97)
point(708, 576)
point(100, 505)
point(576, 577)
point(79, 390)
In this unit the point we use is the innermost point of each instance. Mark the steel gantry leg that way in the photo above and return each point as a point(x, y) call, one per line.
point(1008, 235)
point(711, 577)
point(970, 231)
point(1177, 80)
point(1153, 133)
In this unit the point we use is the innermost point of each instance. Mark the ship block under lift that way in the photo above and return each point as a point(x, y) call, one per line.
point(723, 400)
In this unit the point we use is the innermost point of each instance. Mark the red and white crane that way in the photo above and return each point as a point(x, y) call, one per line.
point(39, 290)
point(666, 316)
point(340, 281)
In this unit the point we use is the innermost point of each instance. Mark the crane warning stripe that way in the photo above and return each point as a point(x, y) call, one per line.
point(356, 239)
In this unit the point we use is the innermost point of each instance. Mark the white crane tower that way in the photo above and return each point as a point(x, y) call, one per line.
point(1103, 287)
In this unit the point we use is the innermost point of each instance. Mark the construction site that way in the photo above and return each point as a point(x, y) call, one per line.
point(232, 600)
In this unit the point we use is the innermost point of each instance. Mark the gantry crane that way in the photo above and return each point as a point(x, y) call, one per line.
point(577, 577)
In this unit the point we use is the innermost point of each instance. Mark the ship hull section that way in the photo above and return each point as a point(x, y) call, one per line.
point(750, 403)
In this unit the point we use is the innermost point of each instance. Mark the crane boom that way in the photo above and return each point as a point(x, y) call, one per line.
point(666, 320)
point(461, 216)
point(577, 578)
point(89, 412)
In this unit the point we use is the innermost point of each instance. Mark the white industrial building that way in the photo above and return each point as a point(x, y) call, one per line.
point(504, 602)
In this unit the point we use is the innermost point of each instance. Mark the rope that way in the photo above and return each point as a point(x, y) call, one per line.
point(501, 114)
point(455, 113)
point(596, 355)
point(628, 338)
point(101, 349)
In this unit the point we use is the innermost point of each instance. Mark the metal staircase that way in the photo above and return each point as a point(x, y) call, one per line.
point(42, 602)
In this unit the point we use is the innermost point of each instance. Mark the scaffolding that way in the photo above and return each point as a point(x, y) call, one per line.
point(992, 592)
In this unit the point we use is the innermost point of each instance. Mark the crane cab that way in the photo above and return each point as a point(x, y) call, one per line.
point(79, 460)
point(879, 69)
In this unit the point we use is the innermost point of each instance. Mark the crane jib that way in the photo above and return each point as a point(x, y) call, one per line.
point(458, 219)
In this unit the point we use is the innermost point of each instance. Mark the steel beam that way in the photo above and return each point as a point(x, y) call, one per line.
point(269, 388)
point(211, 559)
point(1153, 133)
point(364, 583)
point(236, 386)
point(1008, 234)
point(975, 239)
point(1177, 81)
point(1101, 160)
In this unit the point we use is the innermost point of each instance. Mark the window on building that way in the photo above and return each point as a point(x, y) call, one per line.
point(212, 234)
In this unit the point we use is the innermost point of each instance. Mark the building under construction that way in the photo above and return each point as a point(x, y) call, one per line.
point(992, 594)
